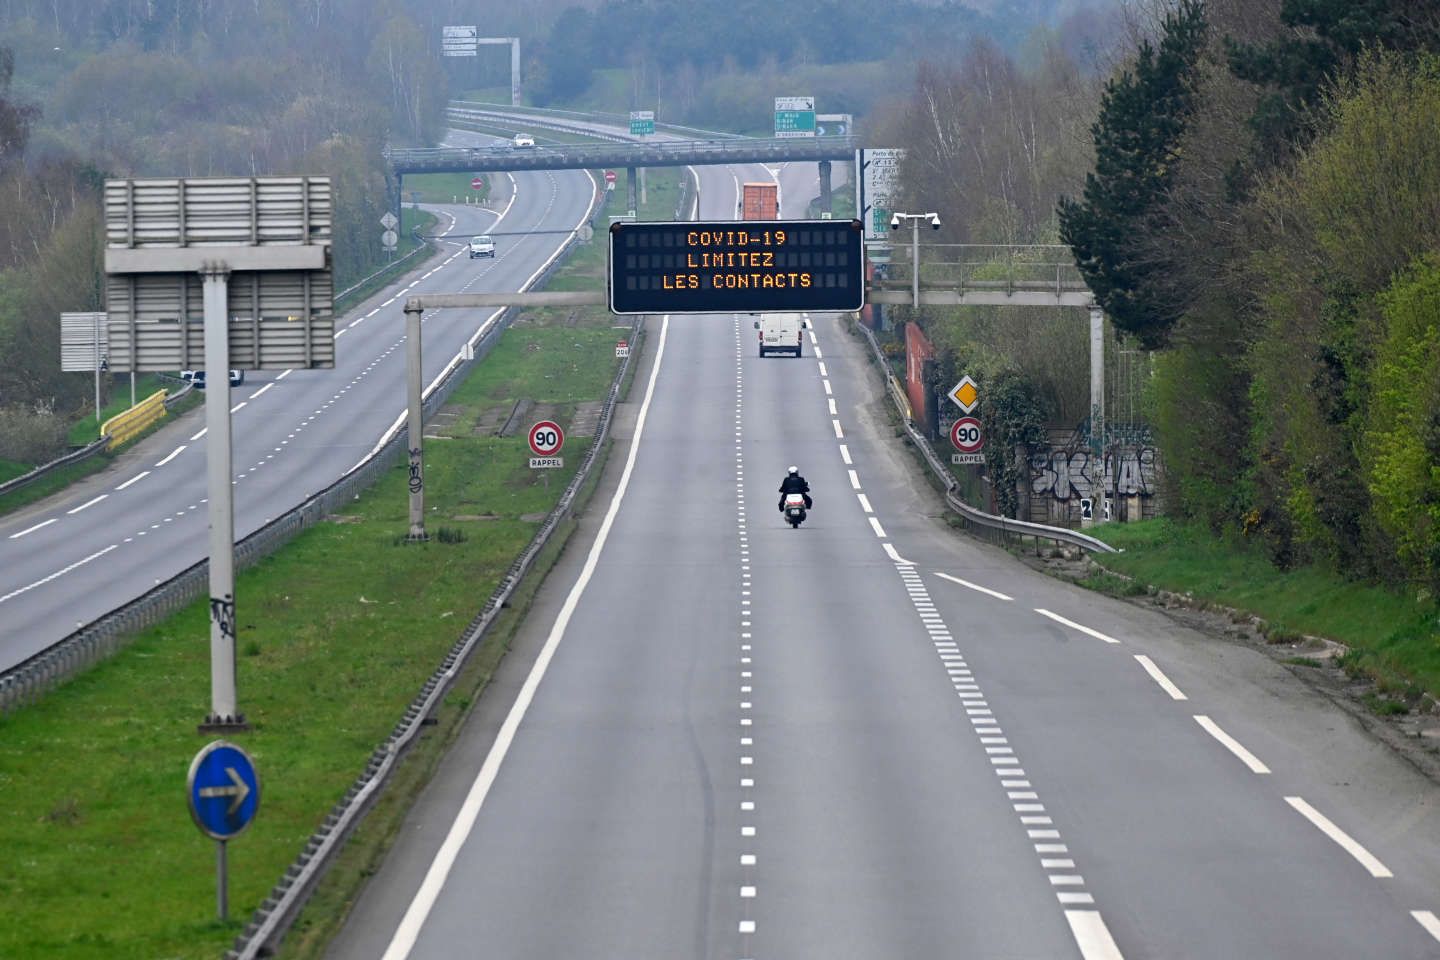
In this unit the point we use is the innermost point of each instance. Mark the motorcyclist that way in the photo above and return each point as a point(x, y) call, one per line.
point(794, 483)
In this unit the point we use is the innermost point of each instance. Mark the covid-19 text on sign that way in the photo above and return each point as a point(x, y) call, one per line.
point(736, 267)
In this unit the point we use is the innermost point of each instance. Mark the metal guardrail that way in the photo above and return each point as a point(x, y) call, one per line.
point(100, 639)
point(1000, 527)
point(389, 266)
point(91, 449)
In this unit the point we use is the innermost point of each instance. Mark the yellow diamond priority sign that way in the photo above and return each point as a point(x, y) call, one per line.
point(965, 394)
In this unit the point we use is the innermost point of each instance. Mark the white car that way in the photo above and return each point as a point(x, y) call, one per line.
point(522, 141)
point(482, 247)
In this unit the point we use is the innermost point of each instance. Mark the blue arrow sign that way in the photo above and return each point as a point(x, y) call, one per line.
point(224, 790)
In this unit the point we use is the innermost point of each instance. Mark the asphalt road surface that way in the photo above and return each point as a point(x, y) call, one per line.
point(718, 737)
point(70, 559)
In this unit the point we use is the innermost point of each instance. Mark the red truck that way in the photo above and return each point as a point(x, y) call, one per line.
point(761, 201)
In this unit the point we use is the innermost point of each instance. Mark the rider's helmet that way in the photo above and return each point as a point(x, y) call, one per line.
point(793, 471)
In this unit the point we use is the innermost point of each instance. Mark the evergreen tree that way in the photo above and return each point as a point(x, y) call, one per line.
point(1143, 115)
point(1329, 36)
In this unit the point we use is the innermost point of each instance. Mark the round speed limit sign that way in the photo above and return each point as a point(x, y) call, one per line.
point(546, 438)
point(967, 435)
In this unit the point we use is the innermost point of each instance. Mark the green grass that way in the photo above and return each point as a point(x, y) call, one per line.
point(9, 469)
point(336, 634)
point(1393, 636)
point(447, 187)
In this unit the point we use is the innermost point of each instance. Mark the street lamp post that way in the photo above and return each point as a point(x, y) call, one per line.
point(895, 220)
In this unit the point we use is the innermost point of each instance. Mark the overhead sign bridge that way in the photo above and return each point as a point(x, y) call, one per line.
point(589, 156)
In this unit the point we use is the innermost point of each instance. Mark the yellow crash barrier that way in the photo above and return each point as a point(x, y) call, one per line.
point(124, 427)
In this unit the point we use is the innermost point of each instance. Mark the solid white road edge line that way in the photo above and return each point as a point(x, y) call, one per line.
point(1076, 626)
point(1160, 678)
point(1231, 744)
point(1366, 858)
point(419, 909)
point(973, 586)
point(1092, 936)
point(1427, 920)
point(58, 573)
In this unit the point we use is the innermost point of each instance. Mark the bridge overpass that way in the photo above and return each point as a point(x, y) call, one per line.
point(590, 156)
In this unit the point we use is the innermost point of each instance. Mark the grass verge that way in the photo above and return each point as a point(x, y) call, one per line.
point(1393, 637)
point(410, 221)
point(336, 634)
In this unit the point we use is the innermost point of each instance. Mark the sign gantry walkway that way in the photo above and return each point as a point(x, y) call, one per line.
point(589, 156)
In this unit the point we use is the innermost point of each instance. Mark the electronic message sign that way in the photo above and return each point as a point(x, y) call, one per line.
point(736, 266)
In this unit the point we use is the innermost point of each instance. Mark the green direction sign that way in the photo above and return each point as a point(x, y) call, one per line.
point(642, 123)
point(794, 117)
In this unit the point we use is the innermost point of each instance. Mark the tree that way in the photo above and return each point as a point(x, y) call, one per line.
point(1327, 38)
point(1143, 118)
point(15, 118)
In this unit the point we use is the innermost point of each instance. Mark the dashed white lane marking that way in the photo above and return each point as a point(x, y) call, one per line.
point(1160, 678)
point(1092, 936)
point(879, 530)
point(973, 586)
point(845, 454)
point(283, 374)
point(1427, 920)
point(865, 503)
point(88, 503)
point(135, 479)
point(173, 454)
point(1068, 884)
point(1231, 744)
point(854, 480)
point(1076, 626)
point(200, 434)
point(261, 390)
point(238, 406)
point(38, 526)
point(839, 434)
point(1367, 859)
point(409, 929)
point(826, 385)
point(823, 372)
point(890, 550)
point(58, 573)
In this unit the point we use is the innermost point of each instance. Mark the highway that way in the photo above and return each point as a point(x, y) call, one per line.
point(70, 559)
point(717, 737)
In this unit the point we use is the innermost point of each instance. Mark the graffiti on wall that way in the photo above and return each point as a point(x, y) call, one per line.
point(1073, 472)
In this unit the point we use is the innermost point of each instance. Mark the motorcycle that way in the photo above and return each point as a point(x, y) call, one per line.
point(794, 509)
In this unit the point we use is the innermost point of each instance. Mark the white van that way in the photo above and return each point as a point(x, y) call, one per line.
point(780, 332)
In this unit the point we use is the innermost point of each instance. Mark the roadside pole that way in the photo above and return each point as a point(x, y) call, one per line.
point(224, 713)
point(416, 427)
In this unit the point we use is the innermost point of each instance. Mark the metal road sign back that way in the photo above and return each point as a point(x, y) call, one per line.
point(272, 234)
point(736, 266)
point(224, 790)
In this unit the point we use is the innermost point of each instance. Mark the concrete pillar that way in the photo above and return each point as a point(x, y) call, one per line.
point(825, 198)
point(630, 190)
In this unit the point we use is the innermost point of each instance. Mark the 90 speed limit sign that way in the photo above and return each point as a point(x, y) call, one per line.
point(967, 435)
point(546, 438)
